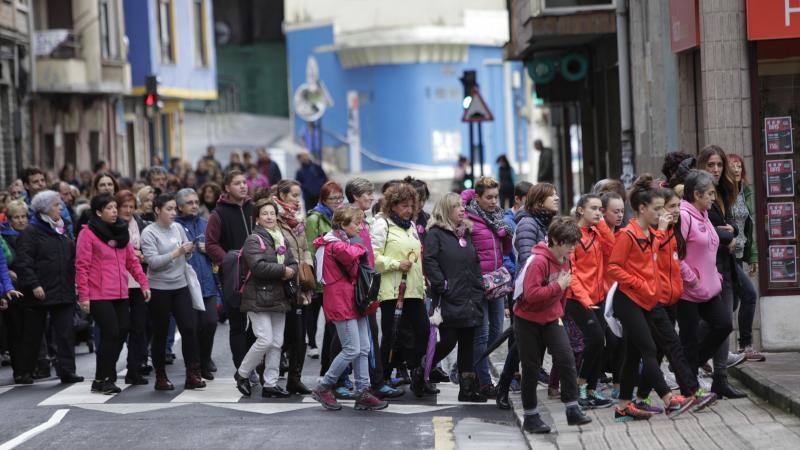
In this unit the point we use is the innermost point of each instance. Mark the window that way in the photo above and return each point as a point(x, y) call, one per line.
point(165, 31)
point(108, 29)
point(94, 147)
point(200, 44)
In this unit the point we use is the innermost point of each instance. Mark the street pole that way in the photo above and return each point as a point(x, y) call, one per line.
point(480, 144)
point(471, 151)
point(624, 70)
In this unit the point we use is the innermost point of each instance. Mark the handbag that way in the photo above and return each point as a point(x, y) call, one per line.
point(497, 283)
point(308, 281)
point(194, 288)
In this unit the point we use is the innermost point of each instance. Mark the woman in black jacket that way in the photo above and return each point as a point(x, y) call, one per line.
point(713, 160)
point(45, 267)
point(453, 270)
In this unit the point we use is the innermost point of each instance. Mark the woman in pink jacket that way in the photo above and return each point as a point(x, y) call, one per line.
point(697, 249)
point(341, 250)
point(104, 257)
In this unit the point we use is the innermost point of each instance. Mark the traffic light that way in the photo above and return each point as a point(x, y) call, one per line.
point(468, 183)
point(152, 103)
point(469, 81)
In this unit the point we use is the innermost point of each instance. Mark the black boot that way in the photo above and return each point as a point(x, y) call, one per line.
point(576, 417)
point(533, 424)
point(294, 383)
point(419, 386)
point(723, 389)
point(468, 389)
point(135, 378)
point(502, 393)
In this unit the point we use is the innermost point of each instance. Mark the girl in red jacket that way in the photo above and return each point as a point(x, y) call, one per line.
point(613, 215)
point(586, 291)
point(538, 324)
point(633, 266)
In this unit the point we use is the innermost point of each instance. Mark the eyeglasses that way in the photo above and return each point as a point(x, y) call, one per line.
point(337, 199)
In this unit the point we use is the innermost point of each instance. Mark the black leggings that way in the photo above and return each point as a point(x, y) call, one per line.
point(449, 337)
point(206, 329)
point(593, 340)
point(113, 317)
point(416, 316)
point(294, 341)
point(137, 331)
point(178, 303)
point(34, 322)
point(311, 313)
point(240, 337)
point(639, 345)
point(720, 324)
point(613, 351)
point(662, 326)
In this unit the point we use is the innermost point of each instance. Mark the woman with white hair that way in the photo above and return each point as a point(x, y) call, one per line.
point(45, 266)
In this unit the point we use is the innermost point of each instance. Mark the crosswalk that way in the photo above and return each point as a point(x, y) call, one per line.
point(220, 393)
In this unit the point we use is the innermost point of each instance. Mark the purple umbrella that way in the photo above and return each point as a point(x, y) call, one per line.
point(432, 335)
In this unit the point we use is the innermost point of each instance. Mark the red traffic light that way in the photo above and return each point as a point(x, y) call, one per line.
point(150, 100)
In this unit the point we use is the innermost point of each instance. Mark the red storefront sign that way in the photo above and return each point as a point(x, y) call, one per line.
point(684, 27)
point(773, 19)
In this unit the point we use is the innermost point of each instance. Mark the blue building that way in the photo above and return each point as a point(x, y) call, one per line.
point(173, 40)
point(405, 91)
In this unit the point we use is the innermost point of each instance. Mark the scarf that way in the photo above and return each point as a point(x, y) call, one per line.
point(493, 220)
point(402, 223)
point(115, 234)
point(460, 231)
point(322, 209)
point(289, 214)
point(280, 245)
point(543, 219)
point(57, 226)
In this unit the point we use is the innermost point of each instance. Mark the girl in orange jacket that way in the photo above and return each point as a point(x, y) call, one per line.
point(586, 291)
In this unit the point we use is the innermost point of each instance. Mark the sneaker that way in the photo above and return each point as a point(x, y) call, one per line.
point(553, 393)
point(106, 387)
point(647, 405)
point(543, 377)
point(615, 393)
point(703, 383)
point(532, 423)
point(342, 393)
point(454, 378)
point(703, 399)
point(575, 416)
point(734, 359)
point(678, 405)
point(629, 413)
point(489, 391)
point(672, 383)
point(599, 400)
point(313, 352)
point(325, 397)
point(347, 383)
point(592, 401)
point(751, 354)
point(367, 402)
point(516, 386)
point(386, 391)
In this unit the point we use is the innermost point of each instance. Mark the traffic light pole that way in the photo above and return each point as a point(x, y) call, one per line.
point(480, 145)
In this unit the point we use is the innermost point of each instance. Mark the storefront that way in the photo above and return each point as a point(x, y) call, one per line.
point(773, 29)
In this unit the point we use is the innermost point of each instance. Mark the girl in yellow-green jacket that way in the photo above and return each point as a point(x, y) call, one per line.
point(398, 251)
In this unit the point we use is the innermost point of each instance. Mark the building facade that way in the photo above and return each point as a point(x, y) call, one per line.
point(172, 40)
point(81, 73)
point(15, 25)
point(392, 73)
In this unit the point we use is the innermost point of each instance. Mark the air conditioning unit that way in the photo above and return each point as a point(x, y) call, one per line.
point(567, 7)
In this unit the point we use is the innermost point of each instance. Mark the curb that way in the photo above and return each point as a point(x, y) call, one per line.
point(516, 411)
point(773, 393)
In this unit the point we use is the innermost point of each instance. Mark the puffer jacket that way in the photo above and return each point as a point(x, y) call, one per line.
point(317, 224)
point(299, 247)
point(101, 271)
point(338, 297)
point(46, 259)
point(263, 290)
point(5, 279)
point(392, 244)
point(491, 246)
point(195, 226)
point(452, 271)
point(530, 231)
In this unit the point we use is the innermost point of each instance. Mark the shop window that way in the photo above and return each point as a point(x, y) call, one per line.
point(166, 31)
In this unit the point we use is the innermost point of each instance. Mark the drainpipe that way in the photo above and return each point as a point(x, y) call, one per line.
point(625, 114)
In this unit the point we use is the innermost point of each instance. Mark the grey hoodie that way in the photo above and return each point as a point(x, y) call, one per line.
point(164, 272)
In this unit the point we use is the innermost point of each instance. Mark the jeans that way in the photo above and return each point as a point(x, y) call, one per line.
point(746, 298)
point(639, 346)
point(717, 315)
point(268, 328)
point(532, 339)
point(593, 340)
point(354, 336)
point(175, 303)
point(662, 328)
point(206, 329)
point(113, 318)
point(449, 337)
point(137, 332)
point(493, 317)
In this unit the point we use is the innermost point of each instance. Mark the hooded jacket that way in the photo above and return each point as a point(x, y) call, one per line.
point(228, 226)
point(338, 295)
point(632, 264)
point(588, 264)
point(530, 231)
point(701, 280)
point(543, 299)
point(101, 271)
point(669, 268)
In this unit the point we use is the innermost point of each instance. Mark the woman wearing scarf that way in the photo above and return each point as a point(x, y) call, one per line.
point(318, 223)
point(287, 195)
point(492, 238)
point(398, 252)
point(104, 259)
point(45, 267)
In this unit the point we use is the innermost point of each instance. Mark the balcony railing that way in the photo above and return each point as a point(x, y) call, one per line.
point(56, 43)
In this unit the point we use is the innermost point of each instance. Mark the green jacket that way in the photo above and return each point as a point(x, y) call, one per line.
point(8, 254)
point(317, 224)
point(392, 244)
point(751, 248)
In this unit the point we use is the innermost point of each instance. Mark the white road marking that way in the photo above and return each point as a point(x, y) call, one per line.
point(263, 408)
point(5, 389)
point(128, 408)
point(217, 391)
point(397, 408)
point(78, 394)
point(54, 420)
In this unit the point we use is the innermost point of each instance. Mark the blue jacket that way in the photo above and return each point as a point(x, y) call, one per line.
point(5, 279)
point(509, 261)
point(311, 178)
point(196, 226)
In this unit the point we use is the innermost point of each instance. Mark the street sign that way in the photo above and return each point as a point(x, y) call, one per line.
point(476, 110)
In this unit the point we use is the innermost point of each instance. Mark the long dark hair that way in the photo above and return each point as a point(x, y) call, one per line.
point(726, 188)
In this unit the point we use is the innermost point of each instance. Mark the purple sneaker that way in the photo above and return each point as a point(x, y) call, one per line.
point(648, 406)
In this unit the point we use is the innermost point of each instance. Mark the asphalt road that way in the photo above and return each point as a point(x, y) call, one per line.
point(51, 415)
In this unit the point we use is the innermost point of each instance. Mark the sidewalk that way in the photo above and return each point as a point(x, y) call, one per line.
point(728, 424)
point(776, 380)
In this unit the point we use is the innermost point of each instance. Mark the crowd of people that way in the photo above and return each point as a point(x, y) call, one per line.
point(601, 289)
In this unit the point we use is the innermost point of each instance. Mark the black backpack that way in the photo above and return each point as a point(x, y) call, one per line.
point(367, 286)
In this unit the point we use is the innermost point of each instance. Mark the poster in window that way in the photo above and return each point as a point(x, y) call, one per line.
point(778, 135)
point(782, 263)
point(780, 218)
point(780, 178)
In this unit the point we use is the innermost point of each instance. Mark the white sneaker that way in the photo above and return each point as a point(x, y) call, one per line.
point(734, 359)
point(704, 384)
point(312, 352)
point(669, 377)
point(254, 379)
